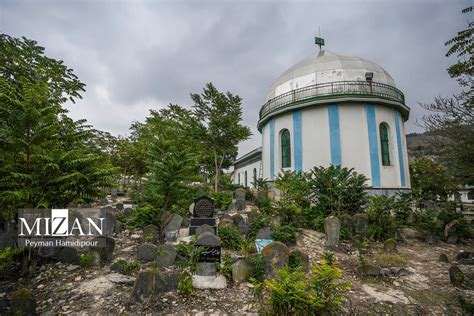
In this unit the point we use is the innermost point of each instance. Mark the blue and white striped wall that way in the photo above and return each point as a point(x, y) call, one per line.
point(346, 135)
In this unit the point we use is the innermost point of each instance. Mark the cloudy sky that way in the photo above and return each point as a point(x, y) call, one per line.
point(141, 55)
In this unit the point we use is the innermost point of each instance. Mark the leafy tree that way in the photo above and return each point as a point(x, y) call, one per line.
point(220, 129)
point(430, 180)
point(381, 222)
point(452, 118)
point(295, 187)
point(337, 190)
point(46, 158)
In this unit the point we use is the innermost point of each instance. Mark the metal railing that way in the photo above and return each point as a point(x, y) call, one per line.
point(338, 88)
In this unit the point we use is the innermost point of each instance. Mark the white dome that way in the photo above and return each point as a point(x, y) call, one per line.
point(325, 67)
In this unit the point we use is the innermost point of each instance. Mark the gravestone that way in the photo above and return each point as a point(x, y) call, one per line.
point(240, 271)
point(166, 255)
point(211, 245)
point(203, 214)
point(276, 256)
point(240, 199)
point(146, 252)
point(456, 276)
point(205, 229)
point(113, 193)
point(389, 245)
point(332, 227)
point(172, 228)
point(346, 223)
point(360, 222)
point(264, 233)
point(151, 233)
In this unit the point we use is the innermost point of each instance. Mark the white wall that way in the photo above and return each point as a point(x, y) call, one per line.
point(249, 168)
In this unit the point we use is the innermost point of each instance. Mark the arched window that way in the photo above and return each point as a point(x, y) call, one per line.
point(254, 176)
point(384, 144)
point(238, 178)
point(245, 178)
point(285, 149)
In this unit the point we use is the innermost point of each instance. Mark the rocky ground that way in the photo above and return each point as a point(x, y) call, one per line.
point(421, 287)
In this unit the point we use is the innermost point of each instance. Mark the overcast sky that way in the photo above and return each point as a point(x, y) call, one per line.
point(140, 55)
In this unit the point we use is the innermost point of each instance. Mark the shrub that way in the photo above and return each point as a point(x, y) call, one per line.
point(403, 208)
point(319, 223)
point(285, 234)
point(86, 260)
point(187, 265)
point(230, 237)
point(260, 221)
point(222, 199)
point(387, 260)
point(381, 223)
point(261, 184)
point(226, 267)
point(7, 257)
point(127, 267)
point(295, 187)
point(336, 190)
point(144, 216)
point(295, 260)
point(328, 257)
point(257, 267)
point(293, 293)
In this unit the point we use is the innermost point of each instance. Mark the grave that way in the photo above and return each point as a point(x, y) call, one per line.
point(203, 214)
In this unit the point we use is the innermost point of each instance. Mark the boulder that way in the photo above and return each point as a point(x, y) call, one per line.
point(385, 272)
point(389, 245)
point(332, 227)
point(443, 258)
point(151, 233)
point(240, 199)
point(449, 228)
point(105, 249)
point(399, 271)
point(456, 276)
point(264, 233)
point(452, 238)
point(369, 269)
point(149, 282)
point(465, 257)
point(172, 228)
point(240, 271)
point(208, 239)
point(431, 239)
point(209, 282)
point(146, 252)
point(360, 222)
point(165, 255)
point(120, 278)
point(232, 207)
point(276, 256)
point(237, 218)
point(226, 223)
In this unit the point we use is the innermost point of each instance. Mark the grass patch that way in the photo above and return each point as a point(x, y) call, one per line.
point(387, 260)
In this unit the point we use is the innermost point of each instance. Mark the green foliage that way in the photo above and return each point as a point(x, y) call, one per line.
point(226, 265)
point(86, 260)
point(403, 208)
point(430, 180)
point(8, 257)
point(261, 184)
point(467, 306)
point(295, 187)
point(295, 260)
point(319, 222)
point(46, 158)
point(230, 237)
point(257, 267)
point(219, 127)
point(260, 221)
point(222, 199)
point(337, 190)
point(144, 216)
point(294, 293)
point(187, 265)
point(381, 222)
point(285, 233)
point(328, 257)
point(127, 267)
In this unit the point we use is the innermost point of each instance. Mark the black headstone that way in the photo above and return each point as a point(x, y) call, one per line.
point(204, 207)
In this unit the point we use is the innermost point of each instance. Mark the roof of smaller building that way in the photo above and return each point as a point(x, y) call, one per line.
point(249, 157)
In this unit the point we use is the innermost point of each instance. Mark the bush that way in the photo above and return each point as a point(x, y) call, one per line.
point(295, 187)
point(319, 223)
point(226, 267)
point(381, 223)
point(127, 267)
point(328, 257)
point(295, 260)
point(8, 256)
point(336, 190)
point(285, 234)
point(230, 237)
point(144, 216)
point(403, 208)
point(189, 258)
point(257, 267)
point(260, 221)
point(86, 260)
point(222, 199)
point(293, 293)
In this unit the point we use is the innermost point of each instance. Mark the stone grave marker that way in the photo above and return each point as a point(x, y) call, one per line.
point(203, 214)
point(172, 228)
point(211, 245)
point(360, 222)
point(332, 227)
point(240, 199)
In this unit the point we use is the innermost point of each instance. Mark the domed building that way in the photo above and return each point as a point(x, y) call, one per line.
point(331, 109)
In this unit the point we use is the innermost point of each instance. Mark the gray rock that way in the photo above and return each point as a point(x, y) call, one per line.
point(206, 269)
point(209, 282)
point(452, 238)
point(72, 267)
point(456, 276)
point(240, 271)
point(332, 227)
point(237, 218)
point(385, 272)
point(22, 302)
point(172, 227)
point(389, 245)
point(465, 257)
point(204, 229)
point(166, 281)
point(120, 278)
point(430, 239)
point(233, 207)
point(127, 211)
point(369, 269)
point(226, 223)
point(443, 258)
point(360, 222)
point(167, 255)
point(276, 256)
point(151, 233)
point(244, 228)
point(240, 199)
point(449, 228)
point(106, 251)
point(208, 239)
point(149, 282)
point(264, 233)
point(146, 252)
point(119, 206)
point(62, 254)
point(399, 271)
point(191, 209)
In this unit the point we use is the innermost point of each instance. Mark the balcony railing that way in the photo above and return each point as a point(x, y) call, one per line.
point(339, 88)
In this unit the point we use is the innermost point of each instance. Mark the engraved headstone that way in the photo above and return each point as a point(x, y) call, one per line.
point(332, 227)
point(211, 244)
point(204, 207)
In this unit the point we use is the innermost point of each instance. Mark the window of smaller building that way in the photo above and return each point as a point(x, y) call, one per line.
point(384, 144)
point(285, 149)
point(254, 176)
point(245, 178)
point(238, 176)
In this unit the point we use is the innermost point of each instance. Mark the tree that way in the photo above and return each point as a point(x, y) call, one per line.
point(452, 118)
point(220, 129)
point(46, 158)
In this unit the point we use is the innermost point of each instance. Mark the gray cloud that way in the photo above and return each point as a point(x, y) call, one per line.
point(135, 56)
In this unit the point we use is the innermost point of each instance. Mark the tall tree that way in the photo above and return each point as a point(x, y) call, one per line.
point(452, 118)
point(220, 127)
point(46, 158)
